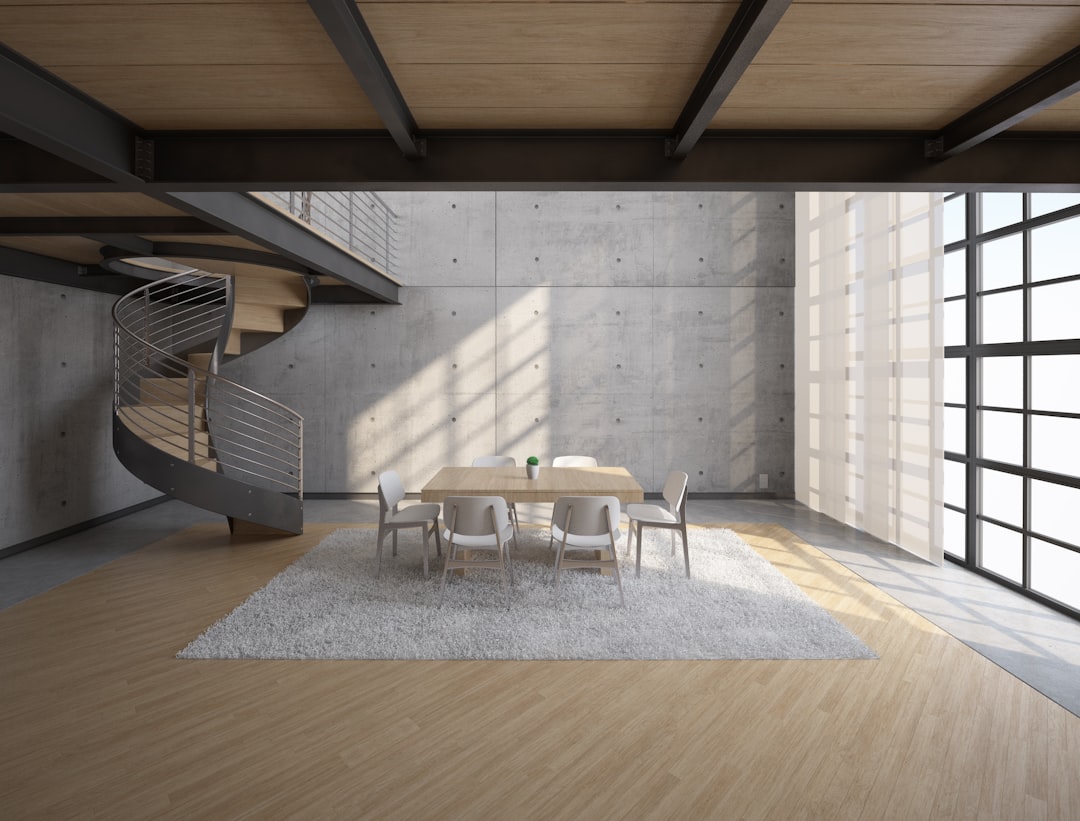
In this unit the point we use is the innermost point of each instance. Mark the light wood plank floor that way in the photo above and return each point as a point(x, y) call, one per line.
point(98, 719)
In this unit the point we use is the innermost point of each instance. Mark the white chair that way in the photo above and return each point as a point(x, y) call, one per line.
point(573, 462)
point(391, 520)
point(499, 462)
point(477, 523)
point(672, 518)
point(589, 524)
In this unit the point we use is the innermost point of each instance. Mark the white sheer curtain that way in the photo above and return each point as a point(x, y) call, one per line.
point(869, 363)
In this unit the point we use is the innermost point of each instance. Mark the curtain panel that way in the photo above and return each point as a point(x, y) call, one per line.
point(870, 362)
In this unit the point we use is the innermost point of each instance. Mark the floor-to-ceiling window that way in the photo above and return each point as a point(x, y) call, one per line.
point(1012, 390)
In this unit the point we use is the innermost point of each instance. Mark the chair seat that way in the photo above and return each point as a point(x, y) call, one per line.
point(414, 513)
point(651, 513)
point(488, 541)
point(577, 540)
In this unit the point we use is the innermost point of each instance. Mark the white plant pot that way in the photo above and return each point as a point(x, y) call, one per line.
point(532, 471)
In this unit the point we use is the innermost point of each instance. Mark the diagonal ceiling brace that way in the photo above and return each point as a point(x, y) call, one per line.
point(26, 265)
point(44, 112)
point(1041, 89)
point(350, 34)
point(753, 23)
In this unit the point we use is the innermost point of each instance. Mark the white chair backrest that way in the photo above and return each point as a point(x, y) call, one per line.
point(390, 488)
point(471, 515)
point(589, 515)
point(494, 462)
point(573, 462)
point(675, 490)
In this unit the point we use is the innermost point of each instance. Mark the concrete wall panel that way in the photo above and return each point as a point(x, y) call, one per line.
point(724, 238)
point(616, 429)
point(575, 239)
point(55, 411)
point(445, 238)
point(558, 341)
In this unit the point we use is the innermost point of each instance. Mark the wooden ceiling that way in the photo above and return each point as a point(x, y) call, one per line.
point(119, 105)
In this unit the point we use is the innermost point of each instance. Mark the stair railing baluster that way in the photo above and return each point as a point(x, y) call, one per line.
point(191, 414)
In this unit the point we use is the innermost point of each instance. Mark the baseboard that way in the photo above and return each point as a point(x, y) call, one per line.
point(37, 541)
point(340, 495)
point(764, 494)
point(760, 494)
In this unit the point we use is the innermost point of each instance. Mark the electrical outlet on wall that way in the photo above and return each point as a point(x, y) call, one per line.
point(763, 481)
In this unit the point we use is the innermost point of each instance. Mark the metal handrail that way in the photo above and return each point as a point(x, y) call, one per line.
point(185, 410)
point(358, 220)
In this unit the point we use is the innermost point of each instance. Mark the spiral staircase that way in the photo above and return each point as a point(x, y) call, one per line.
point(189, 432)
point(178, 424)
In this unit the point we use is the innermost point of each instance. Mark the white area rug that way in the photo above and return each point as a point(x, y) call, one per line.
point(329, 605)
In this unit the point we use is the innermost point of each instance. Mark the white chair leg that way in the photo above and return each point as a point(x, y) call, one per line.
point(637, 565)
point(427, 549)
point(558, 565)
point(686, 552)
point(506, 583)
point(446, 566)
point(378, 552)
point(618, 580)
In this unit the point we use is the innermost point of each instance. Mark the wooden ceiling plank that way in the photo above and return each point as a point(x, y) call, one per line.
point(540, 33)
point(167, 34)
point(548, 86)
point(860, 34)
point(601, 117)
point(222, 94)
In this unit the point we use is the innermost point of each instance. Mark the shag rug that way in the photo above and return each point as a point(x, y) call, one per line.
point(329, 605)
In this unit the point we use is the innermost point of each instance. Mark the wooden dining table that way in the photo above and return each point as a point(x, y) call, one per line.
point(513, 485)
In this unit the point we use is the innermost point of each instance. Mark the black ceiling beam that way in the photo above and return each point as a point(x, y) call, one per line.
point(41, 110)
point(508, 161)
point(131, 244)
point(1043, 88)
point(41, 268)
point(338, 295)
point(732, 161)
point(25, 167)
point(754, 21)
point(350, 34)
point(86, 226)
point(243, 216)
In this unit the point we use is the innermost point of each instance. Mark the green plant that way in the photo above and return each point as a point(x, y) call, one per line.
point(532, 460)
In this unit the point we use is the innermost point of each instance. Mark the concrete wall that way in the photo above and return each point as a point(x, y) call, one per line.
point(651, 330)
point(57, 468)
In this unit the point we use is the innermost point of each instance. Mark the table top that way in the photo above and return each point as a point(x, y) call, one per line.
point(513, 485)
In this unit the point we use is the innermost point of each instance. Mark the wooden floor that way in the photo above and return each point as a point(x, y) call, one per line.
point(98, 719)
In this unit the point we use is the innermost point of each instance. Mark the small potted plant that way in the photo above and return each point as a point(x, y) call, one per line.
point(532, 467)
